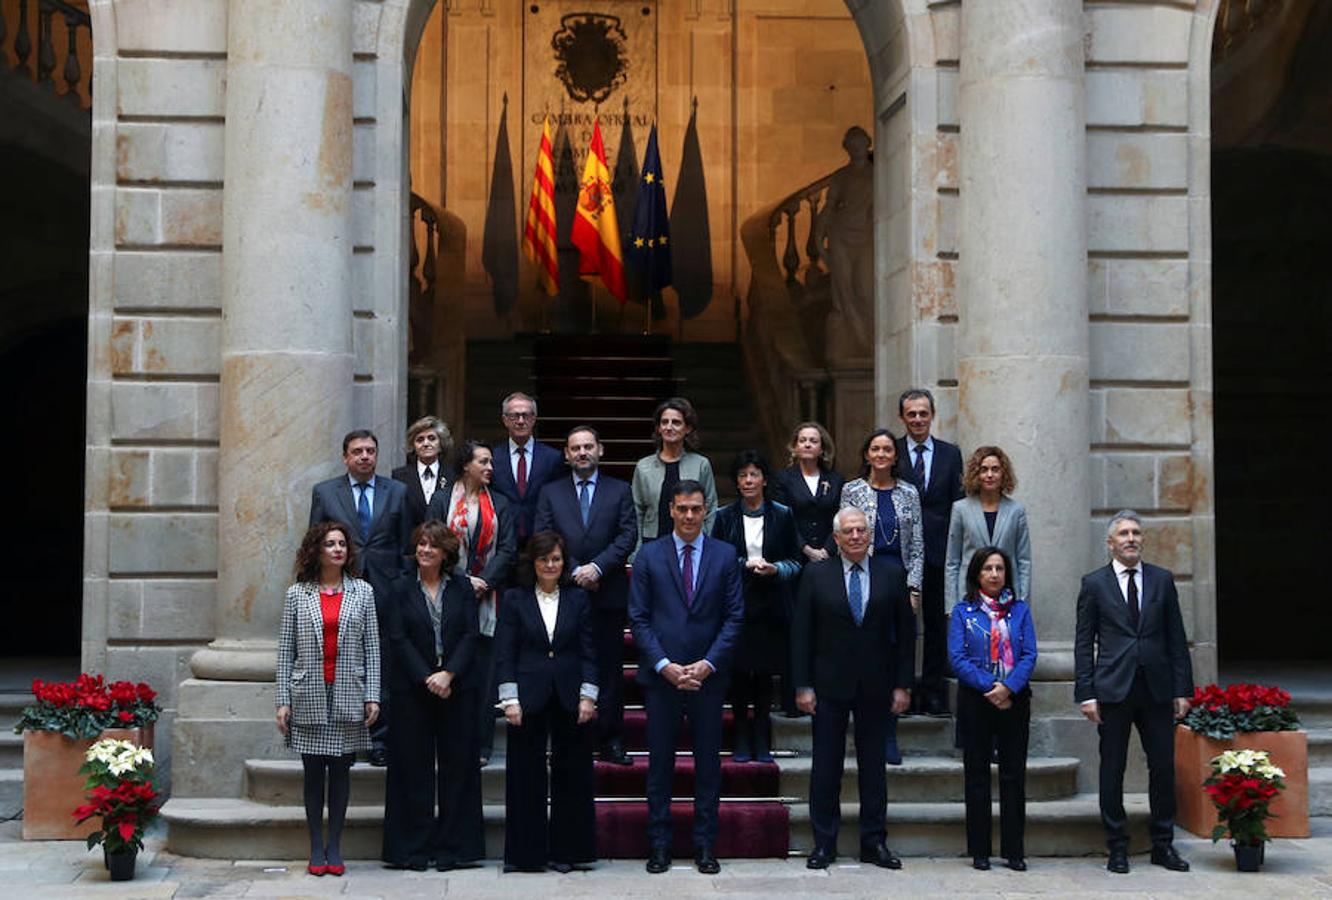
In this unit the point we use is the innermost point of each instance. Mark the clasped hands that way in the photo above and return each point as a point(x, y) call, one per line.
point(757, 565)
point(1000, 696)
point(686, 678)
point(587, 577)
point(440, 683)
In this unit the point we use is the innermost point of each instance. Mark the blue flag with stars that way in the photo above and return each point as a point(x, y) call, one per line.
point(648, 251)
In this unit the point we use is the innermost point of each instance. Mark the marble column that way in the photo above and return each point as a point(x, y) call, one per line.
point(287, 363)
point(1022, 345)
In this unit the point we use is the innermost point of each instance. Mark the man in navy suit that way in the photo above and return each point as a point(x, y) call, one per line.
point(686, 609)
point(935, 468)
point(522, 464)
point(375, 509)
point(1131, 667)
point(594, 513)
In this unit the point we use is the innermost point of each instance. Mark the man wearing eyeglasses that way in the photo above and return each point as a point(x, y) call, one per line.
point(522, 464)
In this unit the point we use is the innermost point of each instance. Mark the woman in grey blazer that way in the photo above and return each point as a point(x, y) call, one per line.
point(327, 679)
point(987, 517)
point(675, 431)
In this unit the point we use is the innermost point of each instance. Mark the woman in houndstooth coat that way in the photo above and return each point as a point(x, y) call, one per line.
point(327, 680)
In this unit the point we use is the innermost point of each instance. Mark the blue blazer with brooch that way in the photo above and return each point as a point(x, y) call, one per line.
point(969, 645)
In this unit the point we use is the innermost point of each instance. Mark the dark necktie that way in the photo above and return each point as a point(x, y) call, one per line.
point(584, 499)
point(688, 574)
point(919, 468)
point(522, 471)
point(1133, 611)
point(363, 510)
point(855, 595)
point(429, 473)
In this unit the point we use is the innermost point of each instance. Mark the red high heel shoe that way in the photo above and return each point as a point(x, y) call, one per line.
point(316, 870)
point(336, 870)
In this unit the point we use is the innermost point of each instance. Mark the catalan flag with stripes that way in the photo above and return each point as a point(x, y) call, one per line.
point(539, 232)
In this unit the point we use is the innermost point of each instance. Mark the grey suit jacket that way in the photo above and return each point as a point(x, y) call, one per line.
point(382, 553)
point(967, 534)
point(300, 655)
point(650, 473)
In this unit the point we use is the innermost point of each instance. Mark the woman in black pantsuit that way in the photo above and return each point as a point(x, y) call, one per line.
point(547, 668)
point(992, 646)
point(432, 802)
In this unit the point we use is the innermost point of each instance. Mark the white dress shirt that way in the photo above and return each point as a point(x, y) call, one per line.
point(428, 484)
point(369, 493)
point(929, 457)
point(513, 457)
point(753, 536)
point(549, 605)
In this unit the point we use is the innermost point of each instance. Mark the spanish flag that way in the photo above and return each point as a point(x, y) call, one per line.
point(596, 233)
point(539, 232)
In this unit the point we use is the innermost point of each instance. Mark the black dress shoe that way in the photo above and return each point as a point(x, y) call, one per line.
point(379, 757)
point(820, 859)
point(563, 868)
point(1167, 857)
point(1118, 862)
point(981, 862)
point(1016, 863)
point(613, 752)
point(880, 855)
point(705, 861)
point(659, 860)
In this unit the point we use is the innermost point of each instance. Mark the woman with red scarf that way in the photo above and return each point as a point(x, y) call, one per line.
point(485, 526)
point(992, 646)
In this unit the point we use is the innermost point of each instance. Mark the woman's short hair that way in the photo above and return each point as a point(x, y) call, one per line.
point(864, 448)
point(746, 458)
point(538, 545)
point(974, 568)
point(971, 476)
point(435, 424)
point(686, 411)
point(437, 534)
point(827, 450)
point(466, 452)
point(306, 568)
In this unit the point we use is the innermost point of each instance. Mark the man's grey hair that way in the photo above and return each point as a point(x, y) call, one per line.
point(843, 513)
point(517, 395)
point(1124, 515)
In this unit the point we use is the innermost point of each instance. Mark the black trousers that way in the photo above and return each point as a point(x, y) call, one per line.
point(608, 637)
point(487, 694)
point(432, 799)
point(825, 782)
point(934, 626)
point(665, 707)
point(530, 841)
point(1155, 720)
point(983, 727)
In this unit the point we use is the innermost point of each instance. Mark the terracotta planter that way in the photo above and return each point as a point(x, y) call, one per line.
point(1289, 750)
point(52, 785)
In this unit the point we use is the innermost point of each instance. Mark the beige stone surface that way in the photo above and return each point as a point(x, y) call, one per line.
point(1134, 96)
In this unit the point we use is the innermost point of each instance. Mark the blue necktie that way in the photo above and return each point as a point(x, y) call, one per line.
point(584, 499)
point(688, 574)
point(363, 511)
point(854, 595)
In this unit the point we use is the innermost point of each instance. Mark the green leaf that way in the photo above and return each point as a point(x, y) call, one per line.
point(1218, 832)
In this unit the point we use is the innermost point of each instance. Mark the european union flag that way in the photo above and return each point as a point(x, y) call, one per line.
point(648, 252)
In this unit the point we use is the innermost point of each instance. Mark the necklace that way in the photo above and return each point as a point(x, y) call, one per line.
point(888, 539)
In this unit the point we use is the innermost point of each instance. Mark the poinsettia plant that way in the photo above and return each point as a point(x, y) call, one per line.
point(1221, 713)
point(87, 706)
point(121, 793)
point(1243, 785)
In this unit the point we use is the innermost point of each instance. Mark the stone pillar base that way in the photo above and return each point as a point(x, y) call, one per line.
point(220, 724)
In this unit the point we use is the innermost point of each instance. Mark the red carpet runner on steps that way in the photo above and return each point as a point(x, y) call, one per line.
point(754, 823)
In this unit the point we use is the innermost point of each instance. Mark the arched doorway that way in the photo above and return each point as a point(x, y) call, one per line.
point(1272, 235)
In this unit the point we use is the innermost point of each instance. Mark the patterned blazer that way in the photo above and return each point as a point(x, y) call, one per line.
point(300, 656)
point(906, 503)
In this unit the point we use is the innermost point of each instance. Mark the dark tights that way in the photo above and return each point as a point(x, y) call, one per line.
point(339, 792)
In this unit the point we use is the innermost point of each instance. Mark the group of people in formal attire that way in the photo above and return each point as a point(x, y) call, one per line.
point(414, 621)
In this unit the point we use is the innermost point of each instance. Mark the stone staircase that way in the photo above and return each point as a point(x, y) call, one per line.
point(11, 753)
point(1315, 709)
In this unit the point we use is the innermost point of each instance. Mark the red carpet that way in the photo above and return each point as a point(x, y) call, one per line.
point(750, 830)
point(634, 734)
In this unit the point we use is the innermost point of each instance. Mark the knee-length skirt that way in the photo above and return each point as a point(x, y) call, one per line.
point(331, 739)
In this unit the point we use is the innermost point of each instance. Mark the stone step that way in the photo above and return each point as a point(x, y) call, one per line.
point(917, 735)
point(1068, 827)
point(937, 779)
point(1320, 747)
point(11, 749)
point(11, 791)
point(1314, 709)
point(1320, 791)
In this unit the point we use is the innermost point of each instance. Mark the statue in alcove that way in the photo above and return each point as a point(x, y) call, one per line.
point(844, 234)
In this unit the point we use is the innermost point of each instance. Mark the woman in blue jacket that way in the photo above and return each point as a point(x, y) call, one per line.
point(992, 646)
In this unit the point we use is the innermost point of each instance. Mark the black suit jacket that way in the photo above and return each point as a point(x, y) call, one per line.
point(813, 512)
point(416, 501)
point(545, 669)
point(544, 464)
point(767, 595)
point(608, 538)
point(834, 656)
point(497, 572)
point(383, 551)
point(1107, 652)
point(411, 638)
point(936, 501)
